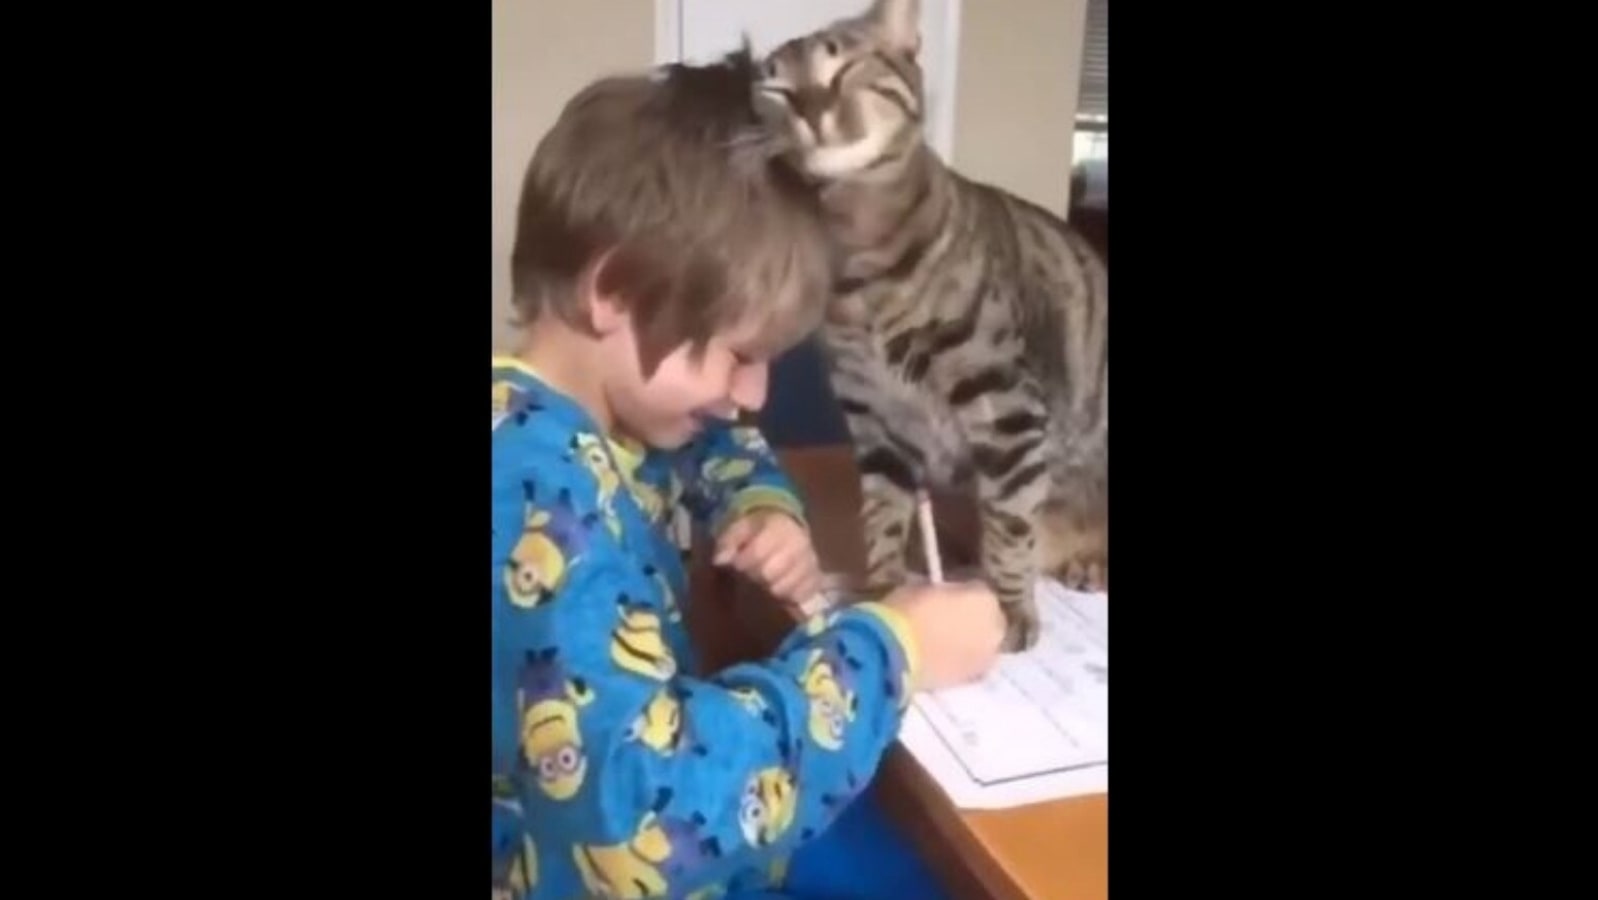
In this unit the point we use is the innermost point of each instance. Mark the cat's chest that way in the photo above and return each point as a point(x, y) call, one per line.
point(914, 411)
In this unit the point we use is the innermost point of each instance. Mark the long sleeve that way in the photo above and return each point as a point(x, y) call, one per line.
point(728, 471)
point(637, 779)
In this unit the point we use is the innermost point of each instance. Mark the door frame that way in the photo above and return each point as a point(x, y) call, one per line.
point(668, 49)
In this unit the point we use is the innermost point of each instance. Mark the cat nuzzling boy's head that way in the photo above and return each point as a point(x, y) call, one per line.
point(848, 98)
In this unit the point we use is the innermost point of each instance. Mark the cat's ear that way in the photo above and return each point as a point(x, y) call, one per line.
point(899, 23)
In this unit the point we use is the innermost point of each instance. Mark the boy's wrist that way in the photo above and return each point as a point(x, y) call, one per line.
point(898, 625)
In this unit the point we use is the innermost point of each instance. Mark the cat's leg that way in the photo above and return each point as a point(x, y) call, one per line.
point(889, 475)
point(887, 487)
point(1008, 433)
point(890, 471)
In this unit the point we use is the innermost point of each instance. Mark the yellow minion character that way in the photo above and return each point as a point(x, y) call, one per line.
point(650, 501)
point(590, 451)
point(551, 739)
point(637, 643)
point(770, 801)
point(660, 725)
point(663, 850)
point(827, 683)
point(552, 542)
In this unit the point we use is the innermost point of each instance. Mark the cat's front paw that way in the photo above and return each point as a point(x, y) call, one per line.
point(1021, 625)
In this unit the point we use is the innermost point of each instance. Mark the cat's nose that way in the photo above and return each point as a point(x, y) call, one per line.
point(812, 105)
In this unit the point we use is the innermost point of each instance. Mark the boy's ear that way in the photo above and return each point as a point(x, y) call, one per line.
point(606, 313)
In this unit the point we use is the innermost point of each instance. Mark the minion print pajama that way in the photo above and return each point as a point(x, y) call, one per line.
point(617, 772)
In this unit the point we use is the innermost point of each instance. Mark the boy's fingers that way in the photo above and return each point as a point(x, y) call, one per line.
point(799, 584)
point(732, 540)
point(781, 563)
point(789, 587)
point(760, 547)
point(798, 576)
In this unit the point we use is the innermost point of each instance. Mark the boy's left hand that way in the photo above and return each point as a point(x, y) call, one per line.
point(774, 550)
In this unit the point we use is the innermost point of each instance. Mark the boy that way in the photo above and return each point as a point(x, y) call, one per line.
point(659, 263)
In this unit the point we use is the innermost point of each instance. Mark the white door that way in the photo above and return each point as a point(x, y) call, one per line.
point(703, 31)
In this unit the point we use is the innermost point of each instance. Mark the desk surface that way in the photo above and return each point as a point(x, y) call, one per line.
point(1049, 851)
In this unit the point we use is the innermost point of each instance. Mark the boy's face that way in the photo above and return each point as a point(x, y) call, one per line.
point(667, 410)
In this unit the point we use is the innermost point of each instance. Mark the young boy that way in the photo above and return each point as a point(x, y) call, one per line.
point(659, 264)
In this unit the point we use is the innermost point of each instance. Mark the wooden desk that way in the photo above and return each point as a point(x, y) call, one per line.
point(1051, 851)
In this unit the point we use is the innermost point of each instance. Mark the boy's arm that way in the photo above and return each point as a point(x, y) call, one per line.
point(617, 748)
point(729, 470)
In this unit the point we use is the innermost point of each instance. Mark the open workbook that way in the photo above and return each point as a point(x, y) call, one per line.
point(1036, 727)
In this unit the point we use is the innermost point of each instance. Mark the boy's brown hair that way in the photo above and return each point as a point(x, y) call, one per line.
point(669, 184)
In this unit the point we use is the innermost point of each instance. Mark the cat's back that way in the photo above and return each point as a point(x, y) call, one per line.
point(1054, 288)
point(1033, 244)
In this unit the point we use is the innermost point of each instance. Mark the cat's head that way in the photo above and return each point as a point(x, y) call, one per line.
point(848, 98)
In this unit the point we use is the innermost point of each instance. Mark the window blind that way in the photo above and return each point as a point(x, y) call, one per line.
point(1094, 97)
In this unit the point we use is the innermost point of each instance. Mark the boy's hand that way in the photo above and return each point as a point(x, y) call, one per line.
point(774, 550)
point(958, 628)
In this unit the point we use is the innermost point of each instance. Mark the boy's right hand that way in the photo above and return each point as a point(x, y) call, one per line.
point(958, 630)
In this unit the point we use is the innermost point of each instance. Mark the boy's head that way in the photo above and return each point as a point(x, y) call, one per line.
point(654, 220)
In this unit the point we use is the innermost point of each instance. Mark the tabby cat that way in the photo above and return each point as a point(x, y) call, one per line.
point(966, 335)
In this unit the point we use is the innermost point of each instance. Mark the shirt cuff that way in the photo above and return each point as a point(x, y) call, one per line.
point(750, 499)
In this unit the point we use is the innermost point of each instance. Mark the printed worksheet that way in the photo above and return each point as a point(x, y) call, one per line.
point(1037, 727)
point(1039, 712)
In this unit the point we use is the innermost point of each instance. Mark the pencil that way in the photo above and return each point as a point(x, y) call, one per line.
point(929, 537)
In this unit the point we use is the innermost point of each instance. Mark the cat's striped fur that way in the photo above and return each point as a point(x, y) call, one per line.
point(967, 336)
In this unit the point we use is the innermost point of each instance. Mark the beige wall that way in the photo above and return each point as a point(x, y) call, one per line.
point(544, 52)
point(1015, 97)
